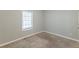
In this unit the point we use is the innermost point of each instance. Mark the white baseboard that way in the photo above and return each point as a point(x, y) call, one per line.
point(19, 39)
point(59, 35)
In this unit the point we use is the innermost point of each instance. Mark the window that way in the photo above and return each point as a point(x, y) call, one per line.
point(27, 20)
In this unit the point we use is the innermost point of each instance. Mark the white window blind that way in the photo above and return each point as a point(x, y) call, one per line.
point(27, 20)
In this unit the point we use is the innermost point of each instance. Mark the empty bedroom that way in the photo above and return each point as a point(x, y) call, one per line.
point(39, 29)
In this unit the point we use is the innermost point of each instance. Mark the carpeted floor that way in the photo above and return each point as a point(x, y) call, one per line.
point(43, 40)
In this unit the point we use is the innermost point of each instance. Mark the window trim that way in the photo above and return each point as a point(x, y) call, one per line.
point(30, 28)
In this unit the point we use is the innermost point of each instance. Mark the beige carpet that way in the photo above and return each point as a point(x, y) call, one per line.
point(43, 40)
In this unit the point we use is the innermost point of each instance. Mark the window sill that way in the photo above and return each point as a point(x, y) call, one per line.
point(27, 29)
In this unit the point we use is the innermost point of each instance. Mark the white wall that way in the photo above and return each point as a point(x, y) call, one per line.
point(62, 22)
point(11, 25)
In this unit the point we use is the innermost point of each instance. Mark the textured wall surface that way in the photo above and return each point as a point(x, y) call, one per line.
point(11, 25)
point(62, 22)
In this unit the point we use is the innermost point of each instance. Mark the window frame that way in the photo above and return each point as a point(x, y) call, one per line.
point(30, 28)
